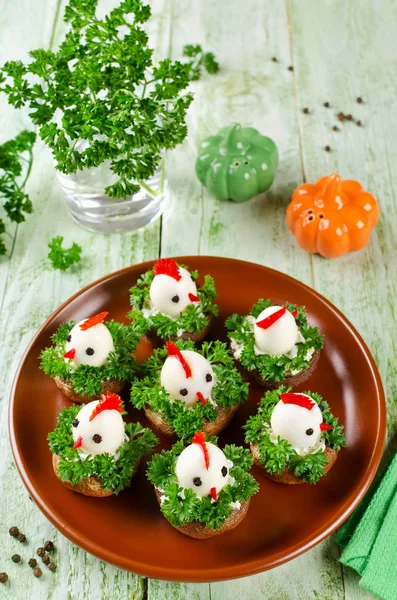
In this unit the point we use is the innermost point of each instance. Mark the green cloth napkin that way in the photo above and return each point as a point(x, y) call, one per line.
point(369, 537)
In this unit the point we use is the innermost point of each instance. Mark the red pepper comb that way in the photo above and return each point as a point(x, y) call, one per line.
point(268, 321)
point(298, 399)
point(173, 350)
point(325, 427)
point(167, 266)
point(108, 402)
point(199, 438)
point(93, 321)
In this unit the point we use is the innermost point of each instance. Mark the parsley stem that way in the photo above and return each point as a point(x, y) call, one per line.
point(30, 163)
point(154, 193)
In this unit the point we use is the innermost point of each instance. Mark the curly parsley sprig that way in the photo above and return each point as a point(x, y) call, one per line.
point(180, 510)
point(230, 389)
point(275, 457)
point(16, 158)
point(115, 474)
point(270, 367)
point(99, 97)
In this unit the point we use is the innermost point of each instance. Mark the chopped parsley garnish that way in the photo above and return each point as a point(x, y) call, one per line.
point(230, 389)
point(194, 319)
point(275, 457)
point(270, 367)
point(86, 379)
point(180, 510)
point(115, 473)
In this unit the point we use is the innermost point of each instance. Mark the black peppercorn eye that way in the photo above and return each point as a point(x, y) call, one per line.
point(321, 407)
point(208, 377)
point(224, 471)
point(90, 351)
point(309, 431)
point(197, 481)
point(75, 422)
point(68, 338)
point(175, 299)
point(183, 392)
point(97, 438)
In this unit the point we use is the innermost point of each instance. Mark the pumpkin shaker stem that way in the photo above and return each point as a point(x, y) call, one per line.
point(332, 216)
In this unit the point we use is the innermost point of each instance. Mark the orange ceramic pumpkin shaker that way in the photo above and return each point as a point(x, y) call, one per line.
point(332, 216)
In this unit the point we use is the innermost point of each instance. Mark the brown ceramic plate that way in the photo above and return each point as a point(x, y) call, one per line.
point(283, 521)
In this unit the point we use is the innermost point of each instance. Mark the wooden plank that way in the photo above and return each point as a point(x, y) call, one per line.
point(169, 590)
point(252, 90)
point(255, 91)
point(36, 24)
point(343, 52)
point(308, 577)
point(33, 291)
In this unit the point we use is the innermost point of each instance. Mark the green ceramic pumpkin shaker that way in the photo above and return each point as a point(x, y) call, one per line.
point(237, 163)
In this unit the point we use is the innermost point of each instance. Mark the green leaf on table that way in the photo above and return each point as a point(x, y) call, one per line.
point(63, 258)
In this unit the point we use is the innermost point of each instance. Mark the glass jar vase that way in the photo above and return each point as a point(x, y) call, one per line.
point(91, 208)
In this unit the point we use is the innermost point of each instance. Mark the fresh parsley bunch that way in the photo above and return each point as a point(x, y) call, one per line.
point(101, 88)
point(277, 457)
point(230, 389)
point(115, 475)
point(273, 368)
point(194, 319)
point(86, 379)
point(180, 510)
point(16, 159)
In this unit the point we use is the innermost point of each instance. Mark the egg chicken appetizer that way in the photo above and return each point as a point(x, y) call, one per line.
point(184, 389)
point(203, 490)
point(294, 437)
point(167, 304)
point(91, 357)
point(94, 452)
point(275, 344)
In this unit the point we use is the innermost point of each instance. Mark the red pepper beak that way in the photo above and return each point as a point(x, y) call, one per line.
point(201, 398)
point(294, 313)
point(213, 494)
point(70, 354)
point(193, 298)
point(325, 427)
point(78, 443)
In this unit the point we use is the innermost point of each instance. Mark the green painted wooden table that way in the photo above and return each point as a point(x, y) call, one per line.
point(339, 50)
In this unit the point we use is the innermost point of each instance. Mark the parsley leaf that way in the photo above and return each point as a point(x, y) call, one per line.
point(16, 158)
point(99, 97)
point(63, 258)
